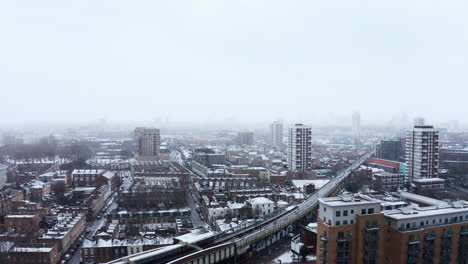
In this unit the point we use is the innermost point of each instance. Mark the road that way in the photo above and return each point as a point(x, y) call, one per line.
point(196, 220)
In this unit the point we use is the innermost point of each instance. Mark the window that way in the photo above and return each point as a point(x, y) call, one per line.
point(363, 211)
point(352, 211)
point(352, 221)
point(325, 209)
point(371, 210)
point(338, 213)
point(345, 222)
point(337, 223)
point(345, 213)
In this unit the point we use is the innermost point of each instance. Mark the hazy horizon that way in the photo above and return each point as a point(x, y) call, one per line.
point(244, 61)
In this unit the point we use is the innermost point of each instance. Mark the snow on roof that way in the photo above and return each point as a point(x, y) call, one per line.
point(20, 216)
point(87, 171)
point(421, 199)
point(409, 213)
point(126, 242)
point(235, 205)
point(195, 236)
point(109, 174)
point(260, 200)
point(32, 249)
point(317, 183)
point(429, 180)
point(226, 226)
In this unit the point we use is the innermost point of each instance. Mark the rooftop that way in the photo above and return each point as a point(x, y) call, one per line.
point(92, 172)
point(260, 200)
point(416, 212)
point(348, 199)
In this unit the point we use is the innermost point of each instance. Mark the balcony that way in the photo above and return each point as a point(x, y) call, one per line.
point(323, 238)
point(413, 242)
point(344, 239)
point(429, 237)
point(447, 235)
point(372, 228)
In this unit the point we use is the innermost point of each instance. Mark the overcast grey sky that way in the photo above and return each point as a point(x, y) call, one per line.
point(248, 59)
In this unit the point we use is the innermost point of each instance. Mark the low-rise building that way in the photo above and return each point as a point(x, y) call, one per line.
point(87, 178)
point(7, 197)
point(22, 223)
point(66, 231)
point(388, 181)
point(101, 250)
point(34, 253)
point(261, 206)
point(428, 185)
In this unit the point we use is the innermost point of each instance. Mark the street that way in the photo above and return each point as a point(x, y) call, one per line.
point(111, 204)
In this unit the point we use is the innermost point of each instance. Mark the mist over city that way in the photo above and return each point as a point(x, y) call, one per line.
point(202, 132)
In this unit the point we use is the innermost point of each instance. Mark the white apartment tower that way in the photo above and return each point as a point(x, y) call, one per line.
point(300, 148)
point(356, 123)
point(422, 152)
point(276, 133)
point(148, 142)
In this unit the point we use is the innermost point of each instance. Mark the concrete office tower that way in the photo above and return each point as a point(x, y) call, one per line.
point(276, 132)
point(148, 142)
point(356, 123)
point(300, 148)
point(422, 152)
point(388, 150)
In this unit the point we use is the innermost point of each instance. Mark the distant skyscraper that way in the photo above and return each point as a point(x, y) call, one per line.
point(9, 138)
point(389, 150)
point(300, 148)
point(356, 123)
point(419, 121)
point(422, 152)
point(148, 142)
point(276, 133)
point(245, 138)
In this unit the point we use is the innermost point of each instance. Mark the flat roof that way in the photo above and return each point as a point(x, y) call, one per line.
point(410, 213)
point(421, 199)
point(347, 200)
point(317, 183)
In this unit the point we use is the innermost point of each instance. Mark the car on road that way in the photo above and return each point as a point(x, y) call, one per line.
point(67, 257)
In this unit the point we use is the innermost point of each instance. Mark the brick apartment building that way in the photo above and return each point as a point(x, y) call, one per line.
point(67, 230)
point(34, 253)
point(353, 229)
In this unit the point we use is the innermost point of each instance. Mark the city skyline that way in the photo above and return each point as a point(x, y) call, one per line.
point(71, 63)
